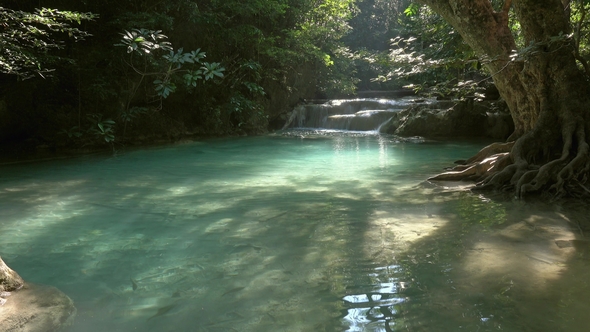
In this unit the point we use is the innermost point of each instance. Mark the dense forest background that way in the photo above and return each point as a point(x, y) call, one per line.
point(130, 71)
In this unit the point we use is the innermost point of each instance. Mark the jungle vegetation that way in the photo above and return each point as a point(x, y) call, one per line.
point(80, 73)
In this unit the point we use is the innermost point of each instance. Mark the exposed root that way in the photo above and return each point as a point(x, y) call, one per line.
point(584, 187)
point(493, 180)
point(530, 164)
point(476, 169)
point(488, 151)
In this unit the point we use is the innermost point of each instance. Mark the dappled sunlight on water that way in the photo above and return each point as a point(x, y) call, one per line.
point(302, 232)
point(480, 265)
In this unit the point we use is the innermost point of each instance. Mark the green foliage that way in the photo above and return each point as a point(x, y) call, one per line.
point(430, 57)
point(144, 41)
point(26, 38)
point(102, 129)
point(164, 88)
point(318, 37)
point(132, 113)
point(212, 70)
point(151, 55)
point(167, 65)
point(457, 89)
point(266, 54)
point(412, 9)
point(427, 55)
point(273, 52)
point(535, 48)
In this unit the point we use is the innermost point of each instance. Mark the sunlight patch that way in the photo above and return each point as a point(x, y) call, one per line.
point(402, 229)
point(525, 251)
point(179, 190)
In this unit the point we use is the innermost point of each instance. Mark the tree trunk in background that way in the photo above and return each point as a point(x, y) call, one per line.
point(546, 92)
point(9, 280)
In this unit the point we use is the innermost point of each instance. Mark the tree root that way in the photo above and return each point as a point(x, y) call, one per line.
point(493, 156)
point(475, 169)
point(529, 165)
point(488, 151)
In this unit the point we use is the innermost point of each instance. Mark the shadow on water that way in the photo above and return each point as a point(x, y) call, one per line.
point(475, 264)
point(257, 235)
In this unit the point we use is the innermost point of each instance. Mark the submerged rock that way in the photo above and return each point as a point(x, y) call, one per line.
point(37, 308)
point(26, 307)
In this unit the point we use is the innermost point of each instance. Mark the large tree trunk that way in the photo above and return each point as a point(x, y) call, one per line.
point(546, 92)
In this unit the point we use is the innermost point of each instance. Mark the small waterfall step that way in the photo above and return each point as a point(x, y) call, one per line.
point(360, 121)
point(367, 114)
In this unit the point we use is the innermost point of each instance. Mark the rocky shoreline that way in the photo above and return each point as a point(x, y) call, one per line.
point(458, 119)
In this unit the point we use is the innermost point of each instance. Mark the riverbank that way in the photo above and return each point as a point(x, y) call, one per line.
point(459, 119)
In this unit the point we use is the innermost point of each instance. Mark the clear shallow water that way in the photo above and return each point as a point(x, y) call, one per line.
point(282, 233)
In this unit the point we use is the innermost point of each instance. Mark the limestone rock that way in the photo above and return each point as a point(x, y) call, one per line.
point(36, 308)
point(9, 280)
point(31, 308)
point(453, 119)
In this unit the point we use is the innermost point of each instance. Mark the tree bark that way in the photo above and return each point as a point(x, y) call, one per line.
point(546, 92)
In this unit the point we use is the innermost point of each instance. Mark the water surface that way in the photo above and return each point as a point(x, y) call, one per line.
point(302, 232)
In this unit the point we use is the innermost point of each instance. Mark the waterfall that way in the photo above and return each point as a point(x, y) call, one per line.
point(347, 114)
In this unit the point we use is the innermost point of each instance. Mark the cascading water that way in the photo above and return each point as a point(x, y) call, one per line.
point(365, 114)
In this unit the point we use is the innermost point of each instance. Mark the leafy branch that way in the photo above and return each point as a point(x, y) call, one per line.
point(26, 38)
point(164, 63)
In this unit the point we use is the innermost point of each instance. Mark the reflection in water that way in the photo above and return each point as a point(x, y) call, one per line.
point(373, 306)
point(310, 231)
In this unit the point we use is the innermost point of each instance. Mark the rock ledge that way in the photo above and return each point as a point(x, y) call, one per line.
point(36, 308)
